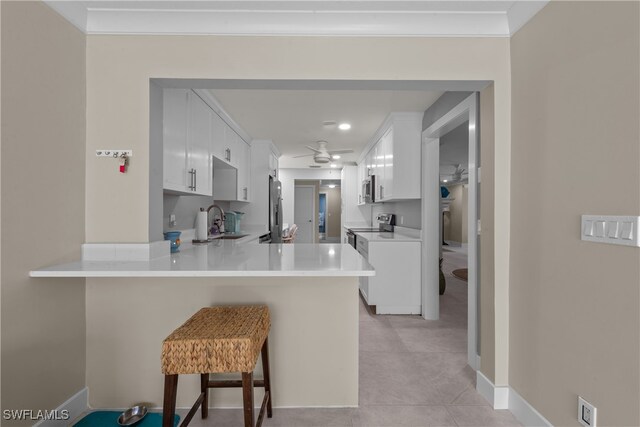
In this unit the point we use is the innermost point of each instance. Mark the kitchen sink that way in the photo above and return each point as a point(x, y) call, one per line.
point(227, 237)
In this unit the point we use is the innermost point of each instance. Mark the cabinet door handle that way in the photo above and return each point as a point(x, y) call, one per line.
point(245, 193)
point(381, 192)
point(192, 186)
point(359, 198)
point(195, 179)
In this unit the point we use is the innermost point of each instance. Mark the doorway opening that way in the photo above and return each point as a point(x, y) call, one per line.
point(317, 210)
point(459, 124)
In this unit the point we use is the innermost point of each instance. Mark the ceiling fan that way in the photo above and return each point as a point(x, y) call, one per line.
point(321, 154)
point(459, 175)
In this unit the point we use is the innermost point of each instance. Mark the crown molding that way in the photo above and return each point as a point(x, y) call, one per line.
point(386, 18)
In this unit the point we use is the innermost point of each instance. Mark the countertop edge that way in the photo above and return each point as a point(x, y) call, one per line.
point(186, 274)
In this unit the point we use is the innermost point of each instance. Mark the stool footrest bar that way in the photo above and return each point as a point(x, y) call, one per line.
point(232, 383)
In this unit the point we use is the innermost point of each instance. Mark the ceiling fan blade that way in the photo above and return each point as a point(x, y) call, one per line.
point(313, 149)
point(303, 155)
point(340, 151)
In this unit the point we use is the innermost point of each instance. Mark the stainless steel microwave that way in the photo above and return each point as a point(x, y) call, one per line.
point(368, 189)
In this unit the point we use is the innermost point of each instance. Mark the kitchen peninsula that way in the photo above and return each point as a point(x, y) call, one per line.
point(311, 289)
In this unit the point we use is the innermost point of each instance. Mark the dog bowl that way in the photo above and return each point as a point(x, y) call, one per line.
point(132, 415)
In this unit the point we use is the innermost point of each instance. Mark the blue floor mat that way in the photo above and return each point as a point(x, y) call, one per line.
point(110, 419)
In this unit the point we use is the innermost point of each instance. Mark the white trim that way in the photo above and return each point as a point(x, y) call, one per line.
point(431, 216)
point(125, 251)
point(76, 405)
point(301, 17)
point(430, 179)
point(498, 397)
point(504, 397)
point(524, 412)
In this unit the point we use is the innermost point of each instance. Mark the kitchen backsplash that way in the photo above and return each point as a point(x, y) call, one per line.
point(185, 208)
point(408, 213)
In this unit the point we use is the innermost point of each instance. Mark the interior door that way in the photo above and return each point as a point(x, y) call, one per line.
point(304, 213)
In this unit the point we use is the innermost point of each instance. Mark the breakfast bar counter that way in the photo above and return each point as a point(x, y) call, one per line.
point(311, 291)
point(227, 258)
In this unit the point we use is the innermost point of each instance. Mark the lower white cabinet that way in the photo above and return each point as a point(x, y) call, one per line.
point(396, 287)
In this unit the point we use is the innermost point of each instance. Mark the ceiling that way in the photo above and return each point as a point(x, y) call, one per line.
point(455, 18)
point(294, 118)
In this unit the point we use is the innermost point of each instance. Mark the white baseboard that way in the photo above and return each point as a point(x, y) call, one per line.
point(498, 397)
point(76, 405)
point(524, 412)
point(505, 397)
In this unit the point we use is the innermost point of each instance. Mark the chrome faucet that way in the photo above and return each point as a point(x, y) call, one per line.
point(217, 224)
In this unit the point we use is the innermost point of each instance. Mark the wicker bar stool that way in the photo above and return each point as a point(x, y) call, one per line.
point(218, 340)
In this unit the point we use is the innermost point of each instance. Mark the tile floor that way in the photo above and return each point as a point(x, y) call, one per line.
point(413, 372)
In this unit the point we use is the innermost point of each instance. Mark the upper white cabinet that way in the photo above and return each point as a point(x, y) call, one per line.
point(244, 172)
point(187, 164)
point(273, 165)
point(203, 154)
point(394, 157)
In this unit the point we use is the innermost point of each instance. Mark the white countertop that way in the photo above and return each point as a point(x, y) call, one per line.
point(228, 258)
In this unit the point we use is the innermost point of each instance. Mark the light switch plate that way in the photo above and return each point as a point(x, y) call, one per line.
point(615, 230)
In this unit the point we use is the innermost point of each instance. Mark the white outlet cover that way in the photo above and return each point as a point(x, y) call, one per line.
point(586, 413)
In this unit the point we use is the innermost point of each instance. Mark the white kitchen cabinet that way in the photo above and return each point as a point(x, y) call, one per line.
point(244, 171)
point(218, 137)
point(361, 175)
point(273, 165)
point(396, 287)
point(232, 183)
point(352, 213)
point(187, 163)
point(385, 167)
point(394, 156)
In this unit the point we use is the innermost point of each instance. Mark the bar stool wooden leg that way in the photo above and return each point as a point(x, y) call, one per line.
point(169, 405)
point(204, 388)
point(267, 375)
point(247, 398)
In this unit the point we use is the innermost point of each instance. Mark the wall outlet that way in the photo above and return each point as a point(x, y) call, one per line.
point(172, 220)
point(401, 219)
point(586, 413)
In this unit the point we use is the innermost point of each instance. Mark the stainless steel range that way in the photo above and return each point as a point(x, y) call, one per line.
point(386, 222)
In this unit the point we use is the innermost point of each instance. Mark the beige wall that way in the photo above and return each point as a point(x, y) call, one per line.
point(119, 68)
point(334, 201)
point(43, 146)
point(456, 219)
point(574, 305)
point(314, 356)
point(488, 325)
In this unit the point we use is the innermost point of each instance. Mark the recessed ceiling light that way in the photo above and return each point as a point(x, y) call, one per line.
point(444, 180)
point(336, 156)
point(332, 186)
point(333, 165)
point(344, 126)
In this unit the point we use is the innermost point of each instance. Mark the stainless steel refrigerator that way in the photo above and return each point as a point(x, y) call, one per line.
point(275, 210)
